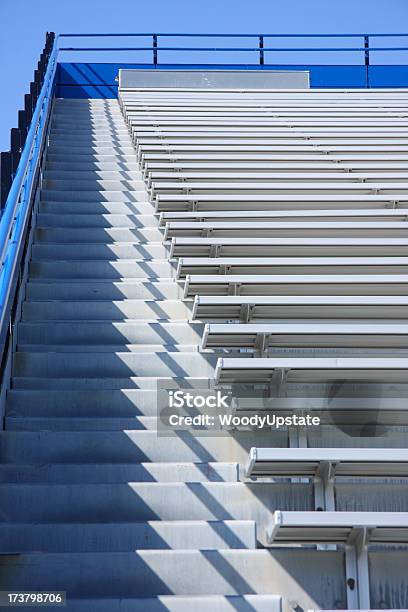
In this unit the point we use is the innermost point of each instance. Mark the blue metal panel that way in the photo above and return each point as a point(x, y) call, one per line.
point(388, 76)
point(94, 80)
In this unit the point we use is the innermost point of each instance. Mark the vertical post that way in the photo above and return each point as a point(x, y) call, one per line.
point(155, 50)
point(261, 51)
point(22, 126)
point(367, 59)
point(5, 177)
point(15, 149)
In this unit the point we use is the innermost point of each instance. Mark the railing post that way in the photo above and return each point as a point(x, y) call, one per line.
point(5, 177)
point(367, 59)
point(22, 126)
point(15, 148)
point(261, 51)
point(155, 50)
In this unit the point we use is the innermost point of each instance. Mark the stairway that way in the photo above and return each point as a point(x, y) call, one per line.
point(160, 221)
point(92, 502)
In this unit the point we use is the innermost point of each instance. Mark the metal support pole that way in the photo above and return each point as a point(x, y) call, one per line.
point(357, 571)
point(261, 51)
point(155, 50)
point(367, 59)
point(5, 177)
point(15, 148)
point(22, 126)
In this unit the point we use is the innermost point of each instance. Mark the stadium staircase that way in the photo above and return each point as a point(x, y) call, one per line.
point(251, 236)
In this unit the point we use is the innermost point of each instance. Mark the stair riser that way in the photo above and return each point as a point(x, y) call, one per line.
point(108, 311)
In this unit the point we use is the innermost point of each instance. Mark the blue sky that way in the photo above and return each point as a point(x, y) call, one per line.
point(23, 24)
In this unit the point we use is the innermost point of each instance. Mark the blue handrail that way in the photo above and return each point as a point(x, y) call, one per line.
point(261, 47)
point(18, 202)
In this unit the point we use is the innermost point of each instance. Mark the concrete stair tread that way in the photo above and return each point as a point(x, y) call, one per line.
point(82, 289)
point(122, 403)
point(15, 423)
point(126, 536)
point(221, 572)
point(116, 473)
point(150, 501)
point(140, 312)
point(132, 446)
point(109, 348)
point(95, 383)
point(154, 252)
point(174, 603)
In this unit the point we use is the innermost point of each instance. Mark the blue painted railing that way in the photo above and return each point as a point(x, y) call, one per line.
point(357, 60)
point(17, 209)
point(260, 49)
point(17, 206)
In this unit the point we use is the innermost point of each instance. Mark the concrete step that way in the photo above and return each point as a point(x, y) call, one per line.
point(100, 219)
point(126, 536)
point(129, 214)
point(94, 383)
point(92, 175)
point(88, 124)
point(110, 348)
point(115, 473)
point(92, 270)
point(80, 138)
point(120, 403)
point(112, 423)
point(151, 501)
point(113, 365)
point(174, 603)
point(222, 572)
point(95, 195)
point(73, 165)
point(88, 129)
point(99, 252)
point(105, 290)
point(92, 157)
point(147, 312)
point(88, 150)
point(90, 185)
point(88, 333)
point(144, 232)
point(47, 447)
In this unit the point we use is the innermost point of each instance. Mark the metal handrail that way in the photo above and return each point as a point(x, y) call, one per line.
point(12, 222)
point(335, 49)
point(261, 47)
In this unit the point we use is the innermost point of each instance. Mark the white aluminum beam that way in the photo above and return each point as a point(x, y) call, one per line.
point(311, 369)
point(350, 462)
point(273, 284)
point(291, 265)
point(260, 307)
point(336, 527)
point(261, 336)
